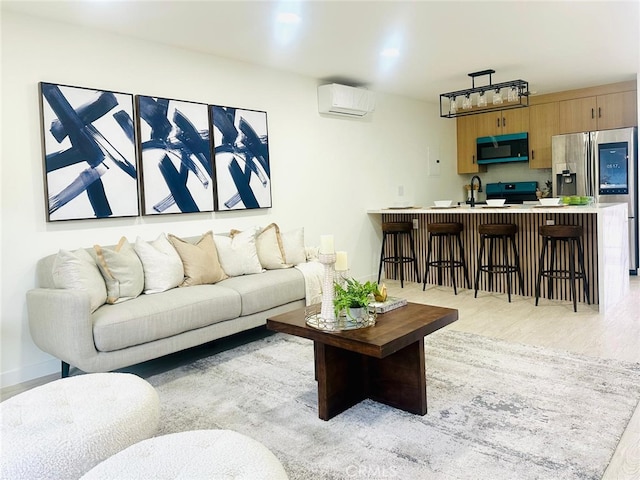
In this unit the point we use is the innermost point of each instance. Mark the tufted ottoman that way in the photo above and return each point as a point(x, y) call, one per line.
point(197, 454)
point(64, 428)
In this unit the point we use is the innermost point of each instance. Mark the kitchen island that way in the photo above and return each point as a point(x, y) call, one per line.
point(605, 241)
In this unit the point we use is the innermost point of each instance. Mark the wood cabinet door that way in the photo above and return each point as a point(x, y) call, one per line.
point(617, 110)
point(488, 124)
point(578, 115)
point(515, 121)
point(466, 144)
point(544, 122)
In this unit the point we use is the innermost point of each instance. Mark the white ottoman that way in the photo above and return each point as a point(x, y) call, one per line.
point(64, 428)
point(197, 454)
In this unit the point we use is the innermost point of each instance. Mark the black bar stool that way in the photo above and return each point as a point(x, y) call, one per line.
point(440, 232)
point(572, 235)
point(494, 234)
point(397, 230)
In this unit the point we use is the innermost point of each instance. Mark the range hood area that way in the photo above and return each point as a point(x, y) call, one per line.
point(513, 147)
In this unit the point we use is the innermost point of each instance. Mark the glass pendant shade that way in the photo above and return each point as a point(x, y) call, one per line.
point(482, 100)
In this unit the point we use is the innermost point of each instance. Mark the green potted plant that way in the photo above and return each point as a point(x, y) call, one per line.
point(351, 296)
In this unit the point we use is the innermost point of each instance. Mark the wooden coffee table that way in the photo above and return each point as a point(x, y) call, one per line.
point(384, 363)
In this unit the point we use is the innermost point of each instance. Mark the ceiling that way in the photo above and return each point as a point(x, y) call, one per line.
point(553, 45)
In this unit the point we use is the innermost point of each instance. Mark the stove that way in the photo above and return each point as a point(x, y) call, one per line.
point(513, 193)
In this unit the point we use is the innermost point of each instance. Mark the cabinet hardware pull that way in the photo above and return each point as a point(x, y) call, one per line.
point(498, 122)
point(504, 121)
point(599, 112)
point(533, 154)
point(592, 113)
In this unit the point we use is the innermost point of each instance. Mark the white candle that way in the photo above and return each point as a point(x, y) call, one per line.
point(326, 244)
point(341, 262)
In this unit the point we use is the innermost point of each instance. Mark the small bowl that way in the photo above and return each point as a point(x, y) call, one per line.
point(550, 202)
point(496, 202)
point(442, 203)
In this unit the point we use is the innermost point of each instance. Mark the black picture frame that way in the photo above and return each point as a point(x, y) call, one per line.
point(89, 153)
point(175, 156)
point(241, 158)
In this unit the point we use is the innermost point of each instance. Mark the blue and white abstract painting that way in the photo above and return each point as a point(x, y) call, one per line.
point(175, 156)
point(89, 153)
point(241, 146)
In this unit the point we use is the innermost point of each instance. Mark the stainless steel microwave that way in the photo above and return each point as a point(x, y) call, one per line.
point(513, 147)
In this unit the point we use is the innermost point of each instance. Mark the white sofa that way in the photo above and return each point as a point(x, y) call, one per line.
point(65, 322)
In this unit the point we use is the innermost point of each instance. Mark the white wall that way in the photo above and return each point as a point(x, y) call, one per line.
point(326, 171)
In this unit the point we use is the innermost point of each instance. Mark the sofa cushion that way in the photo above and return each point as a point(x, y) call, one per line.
point(122, 271)
point(152, 317)
point(162, 265)
point(267, 290)
point(200, 260)
point(238, 254)
point(77, 270)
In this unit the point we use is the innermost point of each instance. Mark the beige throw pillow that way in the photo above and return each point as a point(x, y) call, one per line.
point(161, 263)
point(270, 249)
point(122, 271)
point(238, 254)
point(78, 271)
point(200, 260)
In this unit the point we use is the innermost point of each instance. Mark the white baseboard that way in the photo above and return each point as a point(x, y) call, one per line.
point(30, 372)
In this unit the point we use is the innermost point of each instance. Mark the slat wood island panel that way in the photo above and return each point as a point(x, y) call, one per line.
point(605, 242)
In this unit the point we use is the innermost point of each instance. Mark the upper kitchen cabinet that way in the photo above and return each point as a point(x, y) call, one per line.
point(544, 122)
point(466, 143)
point(502, 122)
point(601, 112)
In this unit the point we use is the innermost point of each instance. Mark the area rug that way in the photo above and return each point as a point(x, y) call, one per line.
point(496, 410)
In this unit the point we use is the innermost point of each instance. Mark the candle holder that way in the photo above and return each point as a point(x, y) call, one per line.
point(327, 313)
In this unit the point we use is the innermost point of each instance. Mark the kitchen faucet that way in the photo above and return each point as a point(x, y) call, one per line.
point(473, 200)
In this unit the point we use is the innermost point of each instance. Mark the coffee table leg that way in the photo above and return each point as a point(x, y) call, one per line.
point(399, 381)
point(341, 379)
point(346, 378)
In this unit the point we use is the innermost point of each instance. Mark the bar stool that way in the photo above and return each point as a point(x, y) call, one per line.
point(494, 234)
point(396, 230)
point(572, 235)
point(448, 231)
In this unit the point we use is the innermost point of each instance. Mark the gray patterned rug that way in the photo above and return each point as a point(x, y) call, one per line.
point(496, 410)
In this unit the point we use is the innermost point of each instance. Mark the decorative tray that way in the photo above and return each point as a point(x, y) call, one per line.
point(314, 319)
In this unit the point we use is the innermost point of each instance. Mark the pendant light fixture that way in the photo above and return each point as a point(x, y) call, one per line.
point(517, 93)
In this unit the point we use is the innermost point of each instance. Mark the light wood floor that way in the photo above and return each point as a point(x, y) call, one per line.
point(551, 324)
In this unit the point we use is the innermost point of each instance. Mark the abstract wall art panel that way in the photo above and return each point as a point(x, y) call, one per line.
point(175, 156)
point(89, 153)
point(241, 156)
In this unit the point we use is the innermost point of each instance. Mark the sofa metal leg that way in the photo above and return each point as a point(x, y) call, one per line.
point(64, 370)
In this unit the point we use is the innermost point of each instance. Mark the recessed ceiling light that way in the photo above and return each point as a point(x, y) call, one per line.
point(288, 18)
point(390, 52)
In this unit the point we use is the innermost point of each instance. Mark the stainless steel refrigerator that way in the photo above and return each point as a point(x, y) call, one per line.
point(602, 164)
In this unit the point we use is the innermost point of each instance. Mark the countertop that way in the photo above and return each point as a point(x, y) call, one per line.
point(520, 209)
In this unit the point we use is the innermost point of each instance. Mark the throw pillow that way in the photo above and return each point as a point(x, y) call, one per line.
point(270, 250)
point(78, 271)
point(293, 243)
point(200, 260)
point(122, 271)
point(238, 254)
point(161, 263)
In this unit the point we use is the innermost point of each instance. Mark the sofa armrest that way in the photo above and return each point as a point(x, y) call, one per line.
point(60, 323)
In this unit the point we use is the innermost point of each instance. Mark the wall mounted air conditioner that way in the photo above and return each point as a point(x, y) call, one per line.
point(338, 99)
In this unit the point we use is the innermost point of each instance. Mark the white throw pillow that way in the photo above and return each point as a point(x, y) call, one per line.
point(122, 271)
point(293, 243)
point(270, 250)
point(78, 271)
point(161, 263)
point(238, 254)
